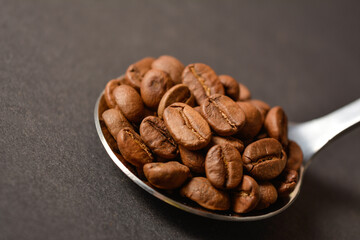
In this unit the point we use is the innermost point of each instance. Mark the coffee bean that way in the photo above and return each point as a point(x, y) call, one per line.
point(187, 126)
point(155, 135)
point(253, 121)
point(268, 195)
point(178, 93)
point(109, 88)
point(264, 159)
point(129, 102)
point(132, 148)
point(108, 137)
point(202, 81)
point(135, 72)
point(223, 114)
point(295, 156)
point(286, 182)
point(262, 106)
point(115, 121)
point(200, 190)
point(246, 196)
point(244, 93)
point(170, 65)
point(276, 125)
point(231, 86)
point(238, 144)
point(195, 160)
point(168, 175)
point(223, 166)
point(153, 86)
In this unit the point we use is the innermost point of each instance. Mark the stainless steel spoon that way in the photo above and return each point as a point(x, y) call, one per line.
point(311, 136)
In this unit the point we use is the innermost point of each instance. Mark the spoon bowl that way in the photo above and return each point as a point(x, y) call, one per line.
point(311, 136)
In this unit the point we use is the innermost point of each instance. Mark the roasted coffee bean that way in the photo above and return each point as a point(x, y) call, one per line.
point(170, 65)
point(202, 81)
point(200, 190)
point(223, 114)
point(295, 156)
point(153, 86)
point(246, 196)
point(231, 86)
point(268, 195)
point(276, 125)
point(109, 88)
point(187, 126)
point(135, 72)
point(286, 182)
point(195, 160)
point(108, 137)
point(155, 135)
point(262, 106)
point(129, 102)
point(253, 121)
point(132, 148)
point(244, 93)
point(264, 159)
point(238, 144)
point(223, 166)
point(115, 121)
point(168, 175)
point(178, 93)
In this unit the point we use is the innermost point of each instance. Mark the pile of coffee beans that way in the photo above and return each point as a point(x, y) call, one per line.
point(189, 131)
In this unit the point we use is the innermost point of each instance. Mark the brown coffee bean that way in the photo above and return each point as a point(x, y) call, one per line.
point(264, 159)
point(135, 72)
point(168, 175)
point(262, 106)
point(253, 121)
point(202, 81)
point(286, 182)
point(132, 148)
point(244, 93)
point(170, 65)
point(195, 160)
point(231, 86)
point(108, 137)
point(276, 125)
point(200, 190)
point(295, 156)
point(223, 166)
point(155, 135)
point(268, 195)
point(238, 144)
point(178, 93)
point(246, 196)
point(153, 86)
point(129, 102)
point(223, 114)
point(115, 121)
point(109, 88)
point(187, 126)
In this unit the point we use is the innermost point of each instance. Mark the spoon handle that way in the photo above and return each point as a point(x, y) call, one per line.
point(315, 134)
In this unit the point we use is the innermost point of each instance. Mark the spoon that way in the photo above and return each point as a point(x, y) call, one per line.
point(312, 136)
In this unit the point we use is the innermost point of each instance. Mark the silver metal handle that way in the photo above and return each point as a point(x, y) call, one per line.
point(315, 134)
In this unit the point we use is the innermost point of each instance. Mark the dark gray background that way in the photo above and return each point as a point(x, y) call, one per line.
point(56, 180)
